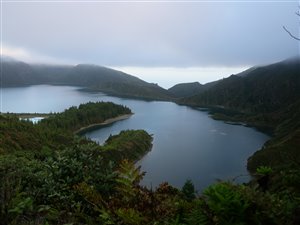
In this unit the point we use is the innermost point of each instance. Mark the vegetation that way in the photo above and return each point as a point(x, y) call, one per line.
point(44, 165)
point(90, 77)
point(75, 118)
point(186, 89)
point(266, 97)
point(262, 90)
point(48, 175)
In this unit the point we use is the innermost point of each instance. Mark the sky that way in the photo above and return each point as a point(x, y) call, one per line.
point(164, 42)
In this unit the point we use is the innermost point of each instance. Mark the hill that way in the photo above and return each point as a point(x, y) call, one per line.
point(184, 90)
point(265, 97)
point(16, 73)
point(48, 175)
point(264, 89)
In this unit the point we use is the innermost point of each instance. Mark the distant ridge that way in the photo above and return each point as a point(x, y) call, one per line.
point(258, 89)
point(5, 58)
point(267, 97)
point(186, 89)
point(17, 73)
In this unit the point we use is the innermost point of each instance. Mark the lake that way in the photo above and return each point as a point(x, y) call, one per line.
point(187, 143)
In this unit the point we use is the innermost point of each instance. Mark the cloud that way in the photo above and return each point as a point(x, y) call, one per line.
point(153, 34)
point(16, 53)
point(25, 55)
point(169, 76)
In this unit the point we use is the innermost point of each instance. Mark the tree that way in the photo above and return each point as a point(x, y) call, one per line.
point(188, 190)
point(292, 35)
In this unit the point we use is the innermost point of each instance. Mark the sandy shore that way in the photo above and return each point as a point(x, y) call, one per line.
point(106, 122)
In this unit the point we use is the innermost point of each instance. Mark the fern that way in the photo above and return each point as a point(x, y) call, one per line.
point(130, 216)
point(226, 203)
point(264, 170)
point(198, 215)
point(128, 178)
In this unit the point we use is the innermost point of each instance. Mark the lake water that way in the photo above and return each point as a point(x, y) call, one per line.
point(187, 143)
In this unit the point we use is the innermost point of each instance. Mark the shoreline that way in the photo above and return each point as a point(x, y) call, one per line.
point(90, 127)
point(28, 115)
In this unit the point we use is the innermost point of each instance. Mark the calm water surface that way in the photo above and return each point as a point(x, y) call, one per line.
point(187, 143)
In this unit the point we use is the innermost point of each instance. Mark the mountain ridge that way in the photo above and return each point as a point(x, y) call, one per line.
point(267, 97)
point(17, 73)
point(40, 185)
point(262, 89)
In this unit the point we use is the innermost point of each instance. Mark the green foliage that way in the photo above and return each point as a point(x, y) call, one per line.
point(50, 176)
point(89, 192)
point(21, 205)
point(264, 170)
point(188, 190)
point(89, 77)
point(226, 204)
point(130, 216)
point(186, 89)
point(87, 114)
point(105, 218)
point(128, 178)
point(198, 214)
point(266, 97)
point(129, 144)
point(263, 90)
point(16, 172)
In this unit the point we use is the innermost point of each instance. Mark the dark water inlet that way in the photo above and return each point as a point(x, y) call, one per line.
point(187, 143)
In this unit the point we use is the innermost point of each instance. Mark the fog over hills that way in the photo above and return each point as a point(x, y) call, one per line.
point(262, 96)
point(185, 89)
point(257, 88)
point(17, 73)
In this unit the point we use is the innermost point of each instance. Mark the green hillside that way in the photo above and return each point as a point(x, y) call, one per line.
point(48, 175)
point(15, 73)
point(186, 89)
point(267, 97)
point(264, 89)
point(44, 166)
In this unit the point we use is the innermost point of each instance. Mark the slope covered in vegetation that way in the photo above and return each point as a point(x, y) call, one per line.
point(267, 97)
point(16, 73)
point(41, 165)
point(264, 89)
point(50, 176)
point(186, 89)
